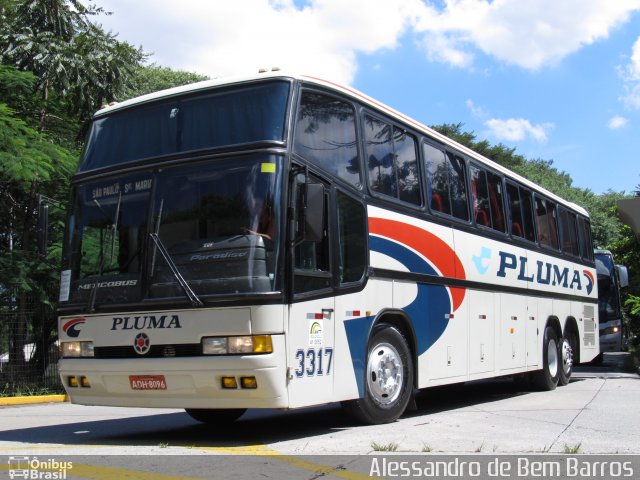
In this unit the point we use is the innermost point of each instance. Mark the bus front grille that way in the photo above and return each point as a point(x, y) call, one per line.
point(156, 351)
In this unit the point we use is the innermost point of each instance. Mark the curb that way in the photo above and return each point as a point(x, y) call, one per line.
point(4, 401)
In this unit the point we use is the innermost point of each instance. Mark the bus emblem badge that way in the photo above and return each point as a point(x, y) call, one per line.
point(141, 344)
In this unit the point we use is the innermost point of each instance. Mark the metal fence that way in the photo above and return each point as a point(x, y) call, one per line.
point(28, 342)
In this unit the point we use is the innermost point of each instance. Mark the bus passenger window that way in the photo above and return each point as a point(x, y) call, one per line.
point(480, 197)
point(438, 179)
point(584, 238)
point(568, 227)
point(513, 197)
point(379, 155)
point(326, 136)
point(546, 223)
point(392, 161)
point(527, 214)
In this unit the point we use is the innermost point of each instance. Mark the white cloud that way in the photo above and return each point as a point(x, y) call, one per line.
point(528, 34)
point(475, 110)
point(630, 74)
point(618, 122)
point(325, 37)
point(223, 38)
point(518, 129)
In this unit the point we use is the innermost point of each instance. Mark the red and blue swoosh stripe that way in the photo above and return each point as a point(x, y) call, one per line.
point(420, 252)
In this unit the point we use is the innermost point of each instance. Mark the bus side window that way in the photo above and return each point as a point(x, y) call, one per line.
point(584, 238)
point(568, 227)
point(351, 238)
point(458, 187)
point(527, 214)
point(326, 136)
point(438, 179)
point(513, 197)
point(392, 161)
point(446, 182)
point(495, 200)
point(546, 223)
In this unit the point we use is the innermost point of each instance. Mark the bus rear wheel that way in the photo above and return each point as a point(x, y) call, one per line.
point(548, 377)
point(205, 415)
point(567, 352)
point(389, 378)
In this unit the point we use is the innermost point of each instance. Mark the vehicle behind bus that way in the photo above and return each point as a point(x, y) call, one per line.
point(612, 279)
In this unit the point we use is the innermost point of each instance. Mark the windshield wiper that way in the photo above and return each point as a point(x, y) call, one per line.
point(191, 295)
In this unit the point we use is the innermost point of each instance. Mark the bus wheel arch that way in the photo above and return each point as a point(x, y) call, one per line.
point(548, 377)
point(389, 373)
point(569, 350)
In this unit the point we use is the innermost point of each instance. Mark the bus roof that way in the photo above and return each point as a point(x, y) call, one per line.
point(348, 91)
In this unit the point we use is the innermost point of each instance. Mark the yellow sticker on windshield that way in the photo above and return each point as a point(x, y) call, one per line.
point(268, 168)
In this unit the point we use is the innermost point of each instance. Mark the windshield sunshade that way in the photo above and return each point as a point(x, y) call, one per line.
point(241, 115)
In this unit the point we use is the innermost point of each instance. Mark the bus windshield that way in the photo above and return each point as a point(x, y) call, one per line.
point(217, 223)
point(233, 116)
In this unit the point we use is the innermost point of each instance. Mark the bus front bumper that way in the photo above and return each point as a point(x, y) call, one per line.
point(179, 382)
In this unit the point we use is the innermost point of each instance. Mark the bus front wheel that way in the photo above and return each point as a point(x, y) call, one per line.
point(548, 377)
point(205, 415)
point(389, 378)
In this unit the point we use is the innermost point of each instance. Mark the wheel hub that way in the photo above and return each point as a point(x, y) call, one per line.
point(567, 356)
point(385, 374)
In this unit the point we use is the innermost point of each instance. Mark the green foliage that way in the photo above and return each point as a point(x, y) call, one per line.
point(151, 78)
point(70, 56)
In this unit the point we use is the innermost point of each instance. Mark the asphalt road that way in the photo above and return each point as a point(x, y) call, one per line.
point(597, 413)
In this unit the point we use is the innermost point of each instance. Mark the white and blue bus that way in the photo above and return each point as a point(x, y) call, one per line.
point(280, 241)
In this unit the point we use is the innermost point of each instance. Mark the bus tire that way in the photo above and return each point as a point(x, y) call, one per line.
point(211, 416)
point(389, 378)
point(548, 377)
point(567, 352)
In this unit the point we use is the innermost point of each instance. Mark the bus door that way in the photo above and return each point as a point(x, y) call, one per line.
point(310, 337)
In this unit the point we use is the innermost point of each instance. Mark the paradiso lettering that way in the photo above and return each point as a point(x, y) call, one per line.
point(545, 273)
point(146, 322)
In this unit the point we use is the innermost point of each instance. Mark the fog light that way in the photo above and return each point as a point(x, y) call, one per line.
point(72, 381)
point(84, 382)
point(248, 382)
point(229, 382)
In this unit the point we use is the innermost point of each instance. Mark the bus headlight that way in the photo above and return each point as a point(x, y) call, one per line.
point(249, 344)
point(76, 349)
point(609, 330)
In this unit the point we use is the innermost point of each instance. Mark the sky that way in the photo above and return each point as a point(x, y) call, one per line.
point(555, 79)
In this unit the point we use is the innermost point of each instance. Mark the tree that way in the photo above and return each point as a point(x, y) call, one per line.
point(29, 165)
point(151, 78)
point(68, 54)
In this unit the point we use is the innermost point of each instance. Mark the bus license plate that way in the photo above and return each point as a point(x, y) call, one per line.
point(147, 382)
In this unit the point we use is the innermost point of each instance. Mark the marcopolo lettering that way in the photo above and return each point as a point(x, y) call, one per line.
point(544, 273)
point(146, 322)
